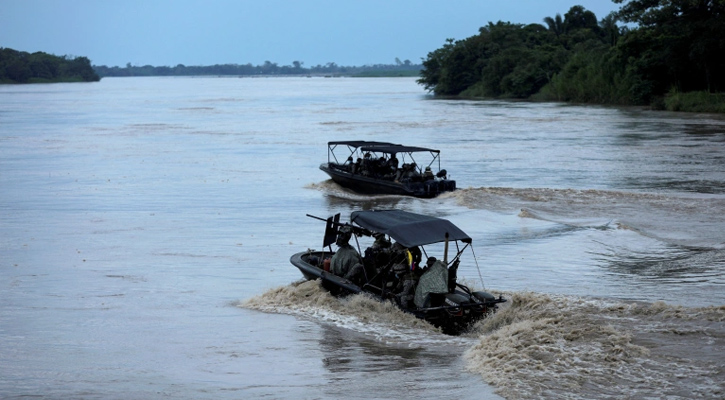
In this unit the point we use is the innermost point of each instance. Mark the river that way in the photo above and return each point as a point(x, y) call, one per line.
point(146, 226)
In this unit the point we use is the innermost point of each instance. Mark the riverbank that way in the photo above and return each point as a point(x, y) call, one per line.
point(74, 79)
point(701, 102)
point(694, 102)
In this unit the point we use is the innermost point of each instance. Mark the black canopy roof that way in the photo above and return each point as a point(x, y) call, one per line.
point(381, 147)
point(407, 228)
point(396, 148)
point(360, 143)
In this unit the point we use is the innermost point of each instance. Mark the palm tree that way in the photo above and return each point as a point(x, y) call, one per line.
point(610, 30)
point(555, 24)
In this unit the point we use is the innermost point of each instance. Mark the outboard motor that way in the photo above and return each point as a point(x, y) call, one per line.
point(442, 173)
point(431, 188)
point(448, 185)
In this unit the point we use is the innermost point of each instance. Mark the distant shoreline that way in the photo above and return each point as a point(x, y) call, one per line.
point(20, 67)
point(413, 74)
point(268, 69)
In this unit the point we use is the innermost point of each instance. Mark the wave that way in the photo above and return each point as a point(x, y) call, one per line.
point(331, 188)
point(587, 224)
point(687, 220)
point(361, 313)
point(484, 197)
point(546, 346)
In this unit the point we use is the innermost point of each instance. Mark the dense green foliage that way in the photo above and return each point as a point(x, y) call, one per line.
point(21, 67)
point(268, 68)
point(704, 102)
point(669, 46)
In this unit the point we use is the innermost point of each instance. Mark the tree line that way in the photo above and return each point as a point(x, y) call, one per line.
point(22, 67)
point(268, 68)
point(664, 48)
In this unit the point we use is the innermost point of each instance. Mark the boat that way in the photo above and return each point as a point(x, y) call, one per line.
point(401, 240)
point(387, 168)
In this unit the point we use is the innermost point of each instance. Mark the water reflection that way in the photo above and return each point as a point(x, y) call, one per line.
point(347, 351)
point(361, 368)
point(338, 198)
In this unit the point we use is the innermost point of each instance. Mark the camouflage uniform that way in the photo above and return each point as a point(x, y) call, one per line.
point(376, 256)
point(405, 290)
point(433, 280)
point(346, 262)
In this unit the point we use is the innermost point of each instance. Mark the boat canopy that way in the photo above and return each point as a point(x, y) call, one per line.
point(396, 148)
point(359, 143)
point(409, 229)
point(380, 147)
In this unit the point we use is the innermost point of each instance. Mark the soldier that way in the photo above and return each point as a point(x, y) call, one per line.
point(428, 174)
point(392, 167)
point(357, 167)
point(405, 290)
point(433, 280)
point(346, 262)
point(413, 173)
point(367, 167)
point(376, 256)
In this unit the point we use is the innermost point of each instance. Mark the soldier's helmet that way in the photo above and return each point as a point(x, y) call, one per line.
point(344, 233)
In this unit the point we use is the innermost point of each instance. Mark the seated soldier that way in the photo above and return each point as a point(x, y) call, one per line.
point(380, 167)
point(413, 173)
point(416, 256)
point(357, 167)
point(346, 262)
point(391, 168)
point(367, 167)
point(429, 263)
point(376, 256)
point(400, 174)
point(433, 280)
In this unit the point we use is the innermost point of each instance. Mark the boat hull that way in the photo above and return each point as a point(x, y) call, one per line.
point(452, 312)
point(370, 185)
point(304, 261)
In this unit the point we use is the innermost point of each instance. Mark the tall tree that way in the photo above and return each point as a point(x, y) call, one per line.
point(430, 75)
point(678, 43)
point(610, 31)
point(555, 25)
point(579, 18)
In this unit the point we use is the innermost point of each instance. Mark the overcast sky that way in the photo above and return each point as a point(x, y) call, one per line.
point(208, 32)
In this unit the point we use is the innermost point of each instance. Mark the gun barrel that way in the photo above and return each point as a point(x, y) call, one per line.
point(315, 217)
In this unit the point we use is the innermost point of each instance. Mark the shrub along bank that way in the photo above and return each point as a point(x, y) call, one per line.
point(668, 54)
